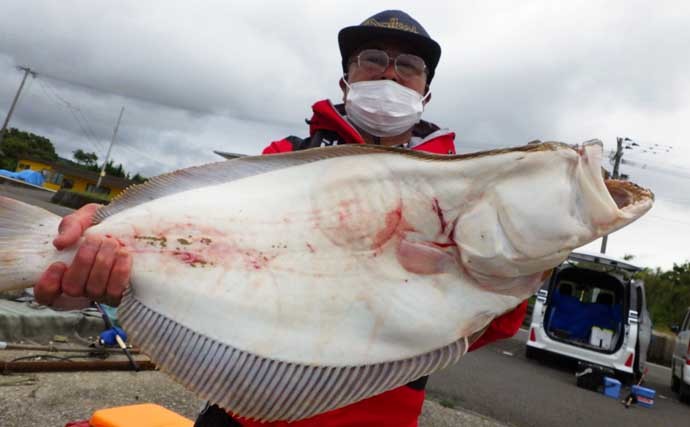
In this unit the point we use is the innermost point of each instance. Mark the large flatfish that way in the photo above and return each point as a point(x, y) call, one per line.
point(288, 285)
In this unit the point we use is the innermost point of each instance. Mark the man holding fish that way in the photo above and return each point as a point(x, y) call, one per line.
point(388, 63)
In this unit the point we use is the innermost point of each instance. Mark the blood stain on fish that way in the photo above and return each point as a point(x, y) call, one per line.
point(392, 222)
point(439, 212)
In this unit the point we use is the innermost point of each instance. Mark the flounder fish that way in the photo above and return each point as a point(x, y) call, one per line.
point(284, 286)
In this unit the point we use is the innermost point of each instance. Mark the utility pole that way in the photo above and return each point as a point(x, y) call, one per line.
point(616, 163)
point(27, 71)
point(110, 147)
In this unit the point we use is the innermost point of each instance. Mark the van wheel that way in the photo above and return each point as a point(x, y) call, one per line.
point(532, 353)
point(626, 379)
point(675, 382)
point(684, 392)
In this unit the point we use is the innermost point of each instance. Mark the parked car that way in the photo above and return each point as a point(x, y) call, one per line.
point(592, 310)
point(680, 362)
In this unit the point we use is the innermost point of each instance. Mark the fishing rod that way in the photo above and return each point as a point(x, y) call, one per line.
point(120, 342)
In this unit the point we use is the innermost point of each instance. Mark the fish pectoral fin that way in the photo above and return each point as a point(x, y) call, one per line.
point(421, 257)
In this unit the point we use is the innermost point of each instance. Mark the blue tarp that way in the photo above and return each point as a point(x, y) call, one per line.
point(576, 318)
point(27, 175)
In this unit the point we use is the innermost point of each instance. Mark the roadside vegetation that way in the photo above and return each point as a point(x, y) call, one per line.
point(18, 144)
point(668, 295)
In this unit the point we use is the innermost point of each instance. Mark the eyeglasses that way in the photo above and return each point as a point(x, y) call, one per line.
point(375, 61)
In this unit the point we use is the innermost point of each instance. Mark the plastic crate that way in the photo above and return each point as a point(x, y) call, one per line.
point(644, 396)
point(612, 387)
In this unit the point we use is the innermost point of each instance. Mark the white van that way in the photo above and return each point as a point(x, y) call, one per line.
point(680, 362)
point(592, 310)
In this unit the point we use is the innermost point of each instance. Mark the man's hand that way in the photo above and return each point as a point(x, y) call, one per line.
point(100, 269)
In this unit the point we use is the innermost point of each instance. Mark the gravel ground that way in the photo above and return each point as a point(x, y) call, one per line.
point(53, 399)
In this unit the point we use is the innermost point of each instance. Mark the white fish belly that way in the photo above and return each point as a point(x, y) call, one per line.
point(305, 271)
point(363, 259)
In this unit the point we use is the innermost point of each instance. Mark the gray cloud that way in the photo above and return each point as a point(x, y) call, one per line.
point(234, 76)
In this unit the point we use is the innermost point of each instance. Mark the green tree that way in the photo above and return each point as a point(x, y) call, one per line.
point(82, 157)
point(138, 179)
point(668, 294)
point(112, 170)
point(17, 144)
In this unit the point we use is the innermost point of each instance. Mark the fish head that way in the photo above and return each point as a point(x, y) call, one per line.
point(551, 199)
point(631, 199)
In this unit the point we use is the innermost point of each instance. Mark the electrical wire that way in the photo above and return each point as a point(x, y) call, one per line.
point(88, 133)
point(679, 172)
point(142, 153)
point(74, 110)
point(663, 218)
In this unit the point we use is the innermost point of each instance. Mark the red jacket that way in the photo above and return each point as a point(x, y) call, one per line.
point(402, 406)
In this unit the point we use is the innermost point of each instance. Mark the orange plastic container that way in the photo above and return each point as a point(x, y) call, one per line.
point(144, 415)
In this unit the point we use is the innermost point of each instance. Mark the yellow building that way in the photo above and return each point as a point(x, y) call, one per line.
point(59, 176)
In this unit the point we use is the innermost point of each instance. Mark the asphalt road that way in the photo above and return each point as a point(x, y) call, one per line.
point(499, 382)
point(32, 196)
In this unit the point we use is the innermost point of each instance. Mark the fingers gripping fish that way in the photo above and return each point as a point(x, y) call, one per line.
point(284, 286)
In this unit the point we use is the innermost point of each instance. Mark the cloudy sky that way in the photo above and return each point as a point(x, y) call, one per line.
point(234, 75)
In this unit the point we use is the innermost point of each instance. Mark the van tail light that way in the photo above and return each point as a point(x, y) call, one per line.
point(533, 336)
point(630, 360)
point(687, 355)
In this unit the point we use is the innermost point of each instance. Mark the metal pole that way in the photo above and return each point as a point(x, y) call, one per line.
point(110, 147)
point(72, 365)
point(617, 161)
point(27, 70)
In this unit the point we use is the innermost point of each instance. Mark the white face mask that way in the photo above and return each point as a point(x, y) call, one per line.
point(383, 108)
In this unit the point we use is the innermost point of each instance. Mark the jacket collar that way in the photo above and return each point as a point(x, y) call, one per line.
point(329, 117)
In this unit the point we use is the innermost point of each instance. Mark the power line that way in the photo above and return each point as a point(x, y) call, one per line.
point(141, 153)
point(129, 95)
point(681, 172)
point(675, 200)
point(664, 164)
point(74, 109)
point(88, 134)
point(663, 218)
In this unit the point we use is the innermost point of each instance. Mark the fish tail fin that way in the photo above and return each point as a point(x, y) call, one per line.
point(26, 249)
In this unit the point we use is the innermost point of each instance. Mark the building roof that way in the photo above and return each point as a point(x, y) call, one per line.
point(108, 181)
point(64, 167)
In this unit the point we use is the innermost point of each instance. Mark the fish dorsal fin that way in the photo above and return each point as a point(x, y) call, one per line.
point(243, 167)
point(225, 171)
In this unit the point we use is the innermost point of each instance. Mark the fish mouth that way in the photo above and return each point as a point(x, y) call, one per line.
point(627, 194)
